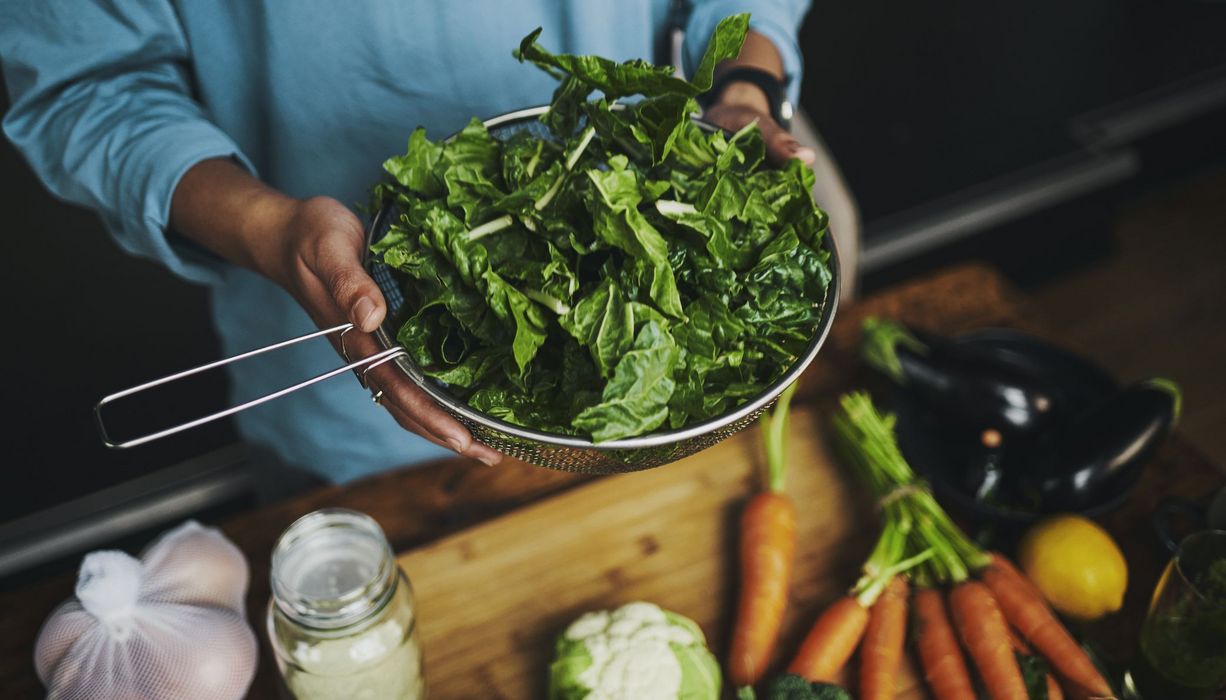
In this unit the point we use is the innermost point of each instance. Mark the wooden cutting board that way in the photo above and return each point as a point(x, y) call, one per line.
point(492, 600)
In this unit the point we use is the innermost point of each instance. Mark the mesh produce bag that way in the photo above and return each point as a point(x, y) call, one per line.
point(167, 626)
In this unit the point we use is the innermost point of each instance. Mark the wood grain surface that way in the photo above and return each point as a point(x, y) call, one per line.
point(419, 505)
point(492, 599)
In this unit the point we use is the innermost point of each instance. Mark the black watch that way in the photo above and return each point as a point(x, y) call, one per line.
point(781, 109)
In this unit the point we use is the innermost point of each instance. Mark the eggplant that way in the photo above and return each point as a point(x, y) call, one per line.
point(1103, 450)
point(975, 388)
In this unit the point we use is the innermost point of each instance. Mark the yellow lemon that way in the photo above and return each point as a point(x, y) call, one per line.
point(1076, 565)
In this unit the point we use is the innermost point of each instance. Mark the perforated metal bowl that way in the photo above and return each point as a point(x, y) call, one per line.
point(567, 452)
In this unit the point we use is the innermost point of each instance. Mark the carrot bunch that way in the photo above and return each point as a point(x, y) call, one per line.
point(966, 600)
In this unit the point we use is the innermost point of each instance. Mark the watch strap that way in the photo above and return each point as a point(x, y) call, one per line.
point(766, 82)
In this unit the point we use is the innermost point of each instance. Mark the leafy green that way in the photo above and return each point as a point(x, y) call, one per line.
point(793, 687)
point(629, 272)
point(1034, 674)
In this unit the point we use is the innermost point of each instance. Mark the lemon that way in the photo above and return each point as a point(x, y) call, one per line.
point(1076, 565)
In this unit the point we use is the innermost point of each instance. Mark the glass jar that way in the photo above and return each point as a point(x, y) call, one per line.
point(341, 620)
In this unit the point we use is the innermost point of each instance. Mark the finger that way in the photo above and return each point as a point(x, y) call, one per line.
point(423, 409)
point(474, 449)
point(406, 421)
point(338, 265)
point(781, 146)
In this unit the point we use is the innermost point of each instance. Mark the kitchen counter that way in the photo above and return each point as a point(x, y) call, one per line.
point(423, 504)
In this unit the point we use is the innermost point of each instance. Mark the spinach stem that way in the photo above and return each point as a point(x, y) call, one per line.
point(552, 303)
point(584, 140)
point(536, 159)
point(671, 207)
point(571, 159)
point(492, 226)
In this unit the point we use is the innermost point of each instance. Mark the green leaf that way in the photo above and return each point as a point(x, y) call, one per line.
point(1034, 674)
point(635, 400)
point(603, 321)
point(617, 220)
point(724, 44)
point(793, 687)
point(416, 168)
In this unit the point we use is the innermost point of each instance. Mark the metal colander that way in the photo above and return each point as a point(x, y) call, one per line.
point(567, 452)
point(563, 452)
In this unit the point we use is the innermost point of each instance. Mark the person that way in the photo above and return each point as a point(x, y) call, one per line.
point(230, 141)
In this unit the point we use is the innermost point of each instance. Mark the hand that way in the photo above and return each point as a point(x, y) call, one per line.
point(741, 103)
point(315, 253)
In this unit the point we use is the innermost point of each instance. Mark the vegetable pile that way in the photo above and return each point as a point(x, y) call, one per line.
point(923, 573)
point(627, 272)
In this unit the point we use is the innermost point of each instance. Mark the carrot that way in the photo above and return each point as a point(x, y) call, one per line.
point(831, 641)
point(1020, 646)
point(768, 539)
point(881, 650)
point(985, 634)
point(1026, 610)
point(944, 666)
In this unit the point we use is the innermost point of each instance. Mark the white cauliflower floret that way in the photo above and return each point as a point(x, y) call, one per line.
point(637, 651)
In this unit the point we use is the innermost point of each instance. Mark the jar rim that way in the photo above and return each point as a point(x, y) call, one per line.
point(357, 602)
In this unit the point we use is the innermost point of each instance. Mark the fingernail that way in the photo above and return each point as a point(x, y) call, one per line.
point(362, 311)
point(488, 461)
point(804, 153)
point(457, 446)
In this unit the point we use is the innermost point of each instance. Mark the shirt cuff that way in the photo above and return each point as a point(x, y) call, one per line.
point(141, 222)
point(778, 21)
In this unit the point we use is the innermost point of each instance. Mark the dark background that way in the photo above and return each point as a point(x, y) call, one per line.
point(926, 106)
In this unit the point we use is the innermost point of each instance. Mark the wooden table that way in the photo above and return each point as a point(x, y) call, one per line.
point(421, 505)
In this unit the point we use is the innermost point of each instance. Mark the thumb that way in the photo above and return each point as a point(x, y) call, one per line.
point(338, 266)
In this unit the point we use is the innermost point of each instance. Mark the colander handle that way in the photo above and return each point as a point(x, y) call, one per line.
point(365, 365)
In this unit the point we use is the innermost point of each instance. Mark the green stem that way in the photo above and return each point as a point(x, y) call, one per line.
point(1171, 388)
point(552, 303)
point(530, 168)
point(584, 140)
point(775, 425)
point(671, 208)
point(872, 592)
point(571, 159)
point(880, 345)
point(492, 226)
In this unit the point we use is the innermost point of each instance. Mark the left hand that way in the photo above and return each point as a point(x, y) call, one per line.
point(741, 103)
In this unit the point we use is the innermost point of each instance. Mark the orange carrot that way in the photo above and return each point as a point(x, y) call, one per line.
point(881, 650)
point(768, 537)
point(985, 634)
point(1026, 610)
point(831, 641)
point(1020, 646)
point(944, 667)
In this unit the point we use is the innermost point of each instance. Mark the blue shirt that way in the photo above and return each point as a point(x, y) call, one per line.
point(113, 101)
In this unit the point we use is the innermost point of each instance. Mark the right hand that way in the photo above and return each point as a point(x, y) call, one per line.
point(315, 253)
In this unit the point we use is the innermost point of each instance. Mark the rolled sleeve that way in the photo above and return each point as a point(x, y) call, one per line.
point(102, 110)
point(777, 20)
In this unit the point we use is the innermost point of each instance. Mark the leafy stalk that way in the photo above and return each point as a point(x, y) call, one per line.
point(775, 426)
point(571, 159)
point(882, 339)
point(492, 226)
point(867, 438)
